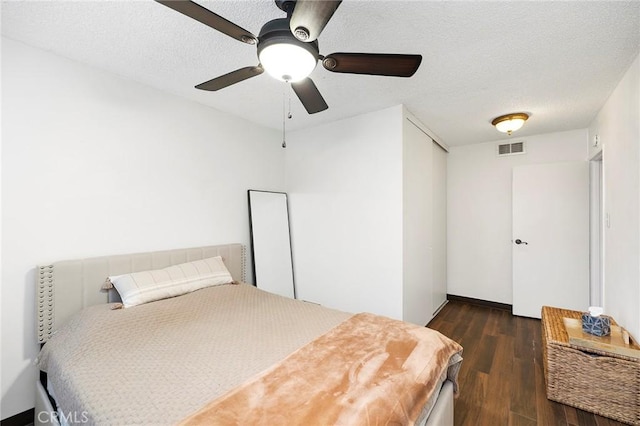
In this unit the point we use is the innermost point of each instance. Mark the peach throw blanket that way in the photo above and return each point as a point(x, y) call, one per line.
point(369, 370)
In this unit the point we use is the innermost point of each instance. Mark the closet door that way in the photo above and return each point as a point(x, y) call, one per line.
point(417, 226)
point(439, 230)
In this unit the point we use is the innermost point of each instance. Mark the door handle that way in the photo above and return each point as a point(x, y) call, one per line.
point(519, 241)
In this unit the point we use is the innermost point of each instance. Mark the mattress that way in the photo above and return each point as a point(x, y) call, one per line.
point(158, 363)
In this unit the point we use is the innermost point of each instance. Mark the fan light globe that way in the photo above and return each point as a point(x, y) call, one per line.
point(287, 62)
point(510, 123)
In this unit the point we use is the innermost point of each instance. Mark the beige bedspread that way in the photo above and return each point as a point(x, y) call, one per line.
point(155, 364)
point(369, 370)
point(158, 363)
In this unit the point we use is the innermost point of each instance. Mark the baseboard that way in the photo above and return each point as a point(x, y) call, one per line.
point(440, 308)
point(20, 419)
point(480, 302)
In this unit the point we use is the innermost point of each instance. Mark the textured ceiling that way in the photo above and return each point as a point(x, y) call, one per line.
point(558, 61)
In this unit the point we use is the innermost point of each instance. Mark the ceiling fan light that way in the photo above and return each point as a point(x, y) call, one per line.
point(286, 61)
point(510, 123)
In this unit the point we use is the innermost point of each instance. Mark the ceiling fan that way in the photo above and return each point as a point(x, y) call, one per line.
point(288, 49)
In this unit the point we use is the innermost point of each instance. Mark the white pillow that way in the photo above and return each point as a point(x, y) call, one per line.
point(146, 286)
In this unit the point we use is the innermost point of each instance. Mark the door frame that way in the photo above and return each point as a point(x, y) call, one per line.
point(596, 230)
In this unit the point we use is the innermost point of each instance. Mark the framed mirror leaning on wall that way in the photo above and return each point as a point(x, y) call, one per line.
point(271, 242)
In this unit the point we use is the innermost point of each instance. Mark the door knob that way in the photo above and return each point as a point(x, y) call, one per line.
point(519, 241)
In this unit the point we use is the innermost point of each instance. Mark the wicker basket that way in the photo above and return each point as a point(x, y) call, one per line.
point(599, 382)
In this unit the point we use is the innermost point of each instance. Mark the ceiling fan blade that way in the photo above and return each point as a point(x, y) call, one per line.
point(231, 78)
point(387, 64)
point(309, 95)
point(207, 17)
point(310, 17)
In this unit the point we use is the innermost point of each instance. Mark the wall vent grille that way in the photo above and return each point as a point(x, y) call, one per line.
point(511, 149)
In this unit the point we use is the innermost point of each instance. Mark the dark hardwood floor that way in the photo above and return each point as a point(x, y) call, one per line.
point(502, 378)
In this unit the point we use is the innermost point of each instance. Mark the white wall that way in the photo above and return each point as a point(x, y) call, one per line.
point(344, 181)
point(93, 164)
point(479, 210)
point(618, 126)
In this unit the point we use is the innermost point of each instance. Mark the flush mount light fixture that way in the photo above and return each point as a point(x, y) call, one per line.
point(510, 122)
point(282, 55)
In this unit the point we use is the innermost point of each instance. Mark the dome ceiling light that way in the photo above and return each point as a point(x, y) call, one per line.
point(509, 123)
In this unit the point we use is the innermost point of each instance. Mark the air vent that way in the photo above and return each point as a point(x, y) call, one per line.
point(511, 149)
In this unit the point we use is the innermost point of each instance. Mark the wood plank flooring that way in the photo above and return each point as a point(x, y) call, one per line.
point(502, 378)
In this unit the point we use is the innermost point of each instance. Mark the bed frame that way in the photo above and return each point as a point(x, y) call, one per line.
point(66, 287)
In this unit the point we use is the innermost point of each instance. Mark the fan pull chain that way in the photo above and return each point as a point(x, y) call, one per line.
point(285, 115)
point(284, 125)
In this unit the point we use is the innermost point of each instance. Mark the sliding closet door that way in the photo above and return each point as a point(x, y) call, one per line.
point(270, 242)
point(439, 232)
point(424, 225)
point(417, 228)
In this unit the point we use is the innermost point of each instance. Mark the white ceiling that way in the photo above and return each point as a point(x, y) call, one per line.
point(558, 60)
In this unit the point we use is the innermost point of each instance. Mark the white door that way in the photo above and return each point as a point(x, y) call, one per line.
point(550, 246)
point(439, 232)
point(417, 227)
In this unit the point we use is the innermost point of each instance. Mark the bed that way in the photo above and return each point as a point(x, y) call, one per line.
point(226, 354)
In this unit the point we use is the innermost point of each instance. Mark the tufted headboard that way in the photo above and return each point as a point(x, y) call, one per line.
point(66, 287)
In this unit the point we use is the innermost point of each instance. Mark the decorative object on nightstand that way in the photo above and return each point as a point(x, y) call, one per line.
point(593, 322)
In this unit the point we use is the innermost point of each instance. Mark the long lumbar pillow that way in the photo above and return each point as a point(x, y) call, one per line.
point(147, 286)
